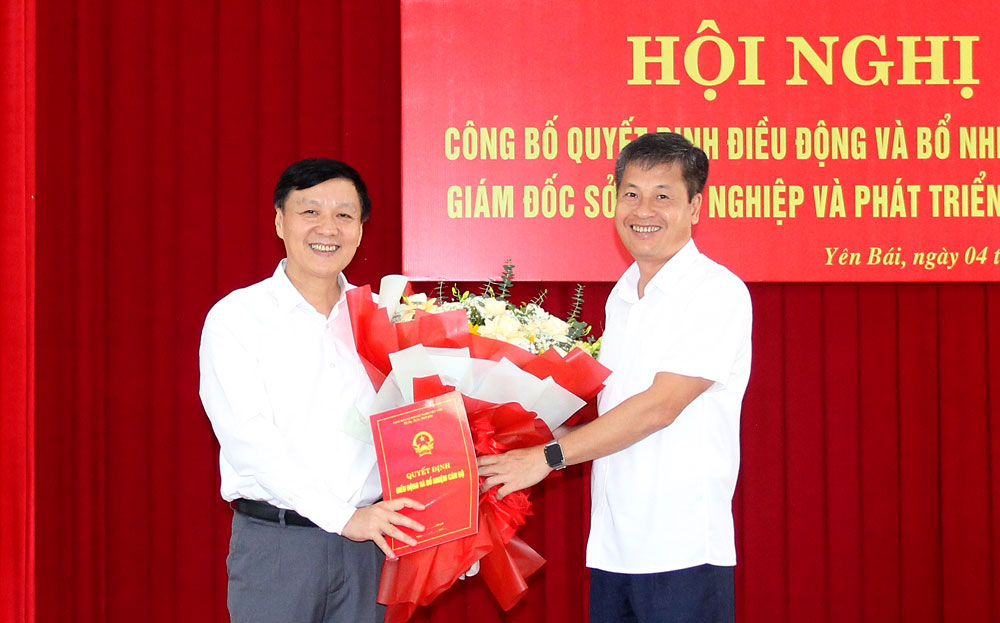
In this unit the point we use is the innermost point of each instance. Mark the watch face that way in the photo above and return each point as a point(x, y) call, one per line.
point(553, 454)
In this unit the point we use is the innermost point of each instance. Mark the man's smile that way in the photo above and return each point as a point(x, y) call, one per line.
point(326, 248)
point(646, 229)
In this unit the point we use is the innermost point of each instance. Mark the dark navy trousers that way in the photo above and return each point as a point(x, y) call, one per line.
point(703, 594)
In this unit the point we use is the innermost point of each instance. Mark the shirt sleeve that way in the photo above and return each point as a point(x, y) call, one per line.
point(235, 398)
point(713, 331)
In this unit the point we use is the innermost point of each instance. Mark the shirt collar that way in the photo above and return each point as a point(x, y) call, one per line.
point(288, 296)
point(669, 274)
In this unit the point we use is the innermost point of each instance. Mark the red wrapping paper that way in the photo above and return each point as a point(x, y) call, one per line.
point(505, 560)
point(376, 338)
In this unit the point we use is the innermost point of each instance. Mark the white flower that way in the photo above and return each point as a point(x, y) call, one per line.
point(524, 343)
point(505, 328)
point(449, 306)
point(494, 307)
point(555, 326)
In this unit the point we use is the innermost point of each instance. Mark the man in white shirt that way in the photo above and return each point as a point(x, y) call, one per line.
point(666, 444)
point(281, 381)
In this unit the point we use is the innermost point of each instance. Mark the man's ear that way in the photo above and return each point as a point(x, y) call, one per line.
point(279, 222)
point(695, 208)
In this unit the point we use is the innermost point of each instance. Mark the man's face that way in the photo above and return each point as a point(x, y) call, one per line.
point(653, 216)
point(321, 228)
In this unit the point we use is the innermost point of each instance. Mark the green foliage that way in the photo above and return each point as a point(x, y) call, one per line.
point(595, 345)
point(539, 298)
point(577, 308)
point(577, 328)
point(439, 292)
point(506, 280)
point(475, 317)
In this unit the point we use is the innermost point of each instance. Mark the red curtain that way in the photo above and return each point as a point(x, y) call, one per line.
point(17, 238)
point(868, 485)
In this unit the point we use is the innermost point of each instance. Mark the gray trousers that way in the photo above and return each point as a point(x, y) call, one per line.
point(306, 575)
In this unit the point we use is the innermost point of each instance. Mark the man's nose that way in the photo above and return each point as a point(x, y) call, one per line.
point(644, 207)
point(327, 224)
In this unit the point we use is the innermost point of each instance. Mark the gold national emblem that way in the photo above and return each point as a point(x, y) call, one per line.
point(423, 443)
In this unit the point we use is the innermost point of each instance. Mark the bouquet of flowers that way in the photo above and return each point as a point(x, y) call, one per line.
point(522, 372)
point(492, 315)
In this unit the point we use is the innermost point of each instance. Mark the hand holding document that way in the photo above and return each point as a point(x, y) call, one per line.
point(425, 452)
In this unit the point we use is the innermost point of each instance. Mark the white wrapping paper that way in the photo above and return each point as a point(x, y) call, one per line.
point(490, 381)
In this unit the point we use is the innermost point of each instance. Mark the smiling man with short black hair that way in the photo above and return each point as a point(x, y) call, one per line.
point(666, 445)
point(281, 380)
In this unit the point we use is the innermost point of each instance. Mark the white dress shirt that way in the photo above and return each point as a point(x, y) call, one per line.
point(665, 502)
point(280, 383)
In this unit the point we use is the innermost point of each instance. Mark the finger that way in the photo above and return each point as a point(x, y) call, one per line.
point(507, 489)
point(491, 482)
point(406, 522)
point(384, 546)
point(487, 459)
point(408, 503)
point(399, 535)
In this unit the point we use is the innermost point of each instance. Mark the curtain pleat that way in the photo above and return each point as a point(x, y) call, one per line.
point(17, 293)
point(762, 526)
point(805, 459)
point(919, 451)
point(842, 351)
point(868, 482)
point(965, 450)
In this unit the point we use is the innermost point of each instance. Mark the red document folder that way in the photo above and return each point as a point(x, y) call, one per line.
point(425, 452)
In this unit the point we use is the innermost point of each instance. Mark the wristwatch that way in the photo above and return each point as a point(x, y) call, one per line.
point(554, 455)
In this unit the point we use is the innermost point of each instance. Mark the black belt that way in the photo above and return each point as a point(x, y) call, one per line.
point(263, 510)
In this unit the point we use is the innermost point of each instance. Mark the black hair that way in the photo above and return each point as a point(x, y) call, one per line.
point(657, 148)
point(312, 171)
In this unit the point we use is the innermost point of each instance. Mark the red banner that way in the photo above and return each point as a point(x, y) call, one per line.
point(856, 142)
